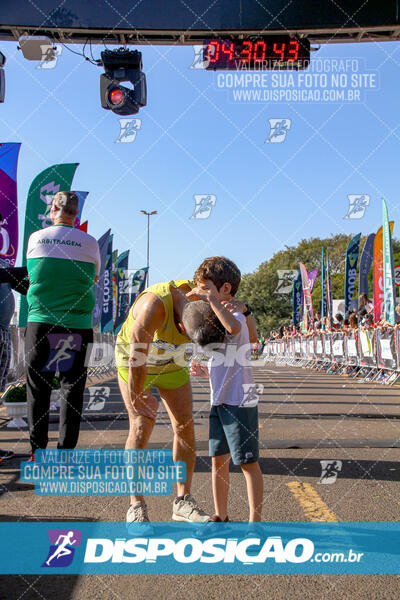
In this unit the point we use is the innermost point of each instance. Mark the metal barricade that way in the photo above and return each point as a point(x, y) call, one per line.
point(385, 350)
point(367, 354)
point(338, 356)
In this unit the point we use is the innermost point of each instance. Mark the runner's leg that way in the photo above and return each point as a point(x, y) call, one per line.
point(179, 405)
point(254, 484)
point(220, 484)
point(140, 427)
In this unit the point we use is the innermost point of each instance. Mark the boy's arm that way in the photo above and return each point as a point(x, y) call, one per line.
point(238, 306)
point(227, 319)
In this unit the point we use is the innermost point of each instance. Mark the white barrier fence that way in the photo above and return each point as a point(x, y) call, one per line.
point(373, 354)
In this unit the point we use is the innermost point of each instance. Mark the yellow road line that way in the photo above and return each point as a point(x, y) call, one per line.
point(311, 502)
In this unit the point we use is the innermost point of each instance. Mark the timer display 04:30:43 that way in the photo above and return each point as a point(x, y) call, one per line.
point(260, 53)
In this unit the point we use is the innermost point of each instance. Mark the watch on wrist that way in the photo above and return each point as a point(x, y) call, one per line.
point(248, 310)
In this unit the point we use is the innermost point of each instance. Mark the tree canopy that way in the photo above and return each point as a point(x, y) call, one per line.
point(272, 309)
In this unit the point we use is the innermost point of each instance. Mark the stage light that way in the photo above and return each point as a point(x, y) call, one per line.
point(120, 66)
point(117, 96)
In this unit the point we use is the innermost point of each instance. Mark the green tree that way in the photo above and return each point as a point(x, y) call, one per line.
point(272, 309)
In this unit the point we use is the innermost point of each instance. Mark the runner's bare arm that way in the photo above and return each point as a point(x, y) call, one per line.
point(149, 315)
point(196, 368)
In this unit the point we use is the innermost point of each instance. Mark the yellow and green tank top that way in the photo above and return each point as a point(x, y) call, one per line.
point(167, 350)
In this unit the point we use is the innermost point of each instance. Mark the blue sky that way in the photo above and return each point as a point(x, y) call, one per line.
point(195, 139)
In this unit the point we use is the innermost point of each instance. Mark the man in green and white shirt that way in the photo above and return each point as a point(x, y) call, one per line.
point(63, 264)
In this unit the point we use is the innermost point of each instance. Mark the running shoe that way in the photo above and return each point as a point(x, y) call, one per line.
point(208, 528)
point(187, 509)
point(254, 531)
point(137, 519)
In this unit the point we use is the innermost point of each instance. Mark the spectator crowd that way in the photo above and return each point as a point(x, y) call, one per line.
point(356, 318)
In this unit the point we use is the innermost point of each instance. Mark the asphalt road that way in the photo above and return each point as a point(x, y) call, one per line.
point(305, 417)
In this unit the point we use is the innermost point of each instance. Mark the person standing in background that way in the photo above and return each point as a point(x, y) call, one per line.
point(365, 302)
point(63, 265)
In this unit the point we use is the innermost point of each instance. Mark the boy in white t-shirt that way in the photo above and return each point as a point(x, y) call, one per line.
point(234, 412)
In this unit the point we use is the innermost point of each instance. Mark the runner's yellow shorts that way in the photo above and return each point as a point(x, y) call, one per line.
point(166, 381)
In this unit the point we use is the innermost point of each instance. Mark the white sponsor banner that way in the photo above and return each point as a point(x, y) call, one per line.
point(386, 352)
point(351, 347)
point(366, 345)
point(337, 348)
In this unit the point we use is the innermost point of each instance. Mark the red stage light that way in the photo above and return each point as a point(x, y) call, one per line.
point(117, 96)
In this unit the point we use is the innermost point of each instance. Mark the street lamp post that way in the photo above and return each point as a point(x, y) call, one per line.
point(148, 214)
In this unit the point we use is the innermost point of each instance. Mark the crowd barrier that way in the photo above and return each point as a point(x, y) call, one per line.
point(100, 362)
point(370, 354)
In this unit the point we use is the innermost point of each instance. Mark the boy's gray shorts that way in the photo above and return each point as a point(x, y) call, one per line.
point(234, 430)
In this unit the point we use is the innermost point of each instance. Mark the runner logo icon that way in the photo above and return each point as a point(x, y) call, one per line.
point(278, 129)
point(285, 283)
point(97, 397)
point(128, 130)
point(62, 547)
point(330, 470)
point(62, 351)
point(198, 59)
point(204, 203)
point(358, 204)
point(251, 392)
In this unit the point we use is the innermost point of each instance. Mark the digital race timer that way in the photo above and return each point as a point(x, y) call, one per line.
point(259, 53)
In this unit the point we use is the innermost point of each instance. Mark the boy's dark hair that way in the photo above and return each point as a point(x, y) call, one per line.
point(201, 324)
point(339, 317)
point(219, 270)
